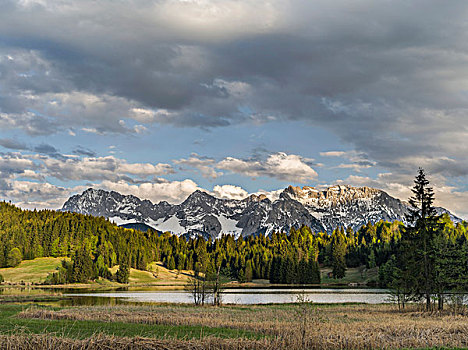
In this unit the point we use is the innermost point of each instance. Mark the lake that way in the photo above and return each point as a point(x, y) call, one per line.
point(239, 296)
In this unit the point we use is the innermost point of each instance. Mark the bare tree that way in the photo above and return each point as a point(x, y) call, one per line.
point(308, 314)
point(197, 287)
point(216, 288)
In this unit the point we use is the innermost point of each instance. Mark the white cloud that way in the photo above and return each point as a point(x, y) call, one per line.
point(101, 168)
point(74, 168)
point(39, 195)
point(282, 166)
point(229, 192)
point(333, 154)
point(171, 191)
point(15, 163)
point(90, 130)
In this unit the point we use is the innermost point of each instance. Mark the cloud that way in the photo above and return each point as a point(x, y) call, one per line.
point(101, 168)
point(106, 172)
point(284, 167)
point(42, 195)
point(13, 144)
point(399, 186)
point(229, 192)
point(333, 154)
point(84, 151)
point(372, 72)
point(49, 150)
point(203, 164)
point(387, 78)
point(78, 169)
point(163, 190)
point(356, 160)
point(13, 164)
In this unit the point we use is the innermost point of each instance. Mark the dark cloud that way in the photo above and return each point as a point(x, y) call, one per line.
point(84, 151)
point(46, 149)
point(49, 150)
point(387, 77)
point(13, 144)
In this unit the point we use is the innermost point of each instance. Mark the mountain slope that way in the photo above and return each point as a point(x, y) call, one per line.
point(206, 215)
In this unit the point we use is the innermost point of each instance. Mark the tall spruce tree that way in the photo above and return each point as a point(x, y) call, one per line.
point(338, 251)
point(123, 273)
point(423, 228)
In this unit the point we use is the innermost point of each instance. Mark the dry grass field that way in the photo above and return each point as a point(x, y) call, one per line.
point(298, 326)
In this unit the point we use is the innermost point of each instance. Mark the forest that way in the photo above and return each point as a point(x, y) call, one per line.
point(416, 261)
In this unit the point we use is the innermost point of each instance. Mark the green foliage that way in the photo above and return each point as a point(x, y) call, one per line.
point(142, 262)
point(248, 271)
point(388, 273)
point(241, 276)
point(82, 269)
point(431, 257)
point(286, 270)
point(14, 257)
point(338, 248)
point(1, 279)
point(123, 273)
point(171, 263)
point(95, 245)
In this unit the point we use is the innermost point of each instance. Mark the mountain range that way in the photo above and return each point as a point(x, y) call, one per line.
point(204, 214)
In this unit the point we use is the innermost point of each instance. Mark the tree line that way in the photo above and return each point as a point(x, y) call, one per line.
point(422, 259)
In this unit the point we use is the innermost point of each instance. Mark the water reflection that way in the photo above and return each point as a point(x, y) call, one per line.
point(235, 296)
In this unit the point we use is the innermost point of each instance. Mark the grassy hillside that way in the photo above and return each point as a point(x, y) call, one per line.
point(31, 271)
point(35, 271)
point(157, 274)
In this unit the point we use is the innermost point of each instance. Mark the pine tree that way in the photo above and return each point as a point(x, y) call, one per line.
point(171, 263)
point(123, 273)
point(248, 271)
point(371, 260)
point(338, 252)
point(420, 236)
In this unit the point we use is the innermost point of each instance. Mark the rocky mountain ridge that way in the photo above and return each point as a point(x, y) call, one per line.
point(203, 214)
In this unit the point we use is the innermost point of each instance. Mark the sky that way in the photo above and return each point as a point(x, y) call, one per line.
point(160, 98)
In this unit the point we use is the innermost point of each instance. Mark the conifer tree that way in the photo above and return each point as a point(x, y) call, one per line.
point(420, 238)
point(338, 251)
point(248, 271)
point(123, 273)
point(83, 268)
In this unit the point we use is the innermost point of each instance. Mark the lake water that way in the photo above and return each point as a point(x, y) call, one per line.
point(244, 296)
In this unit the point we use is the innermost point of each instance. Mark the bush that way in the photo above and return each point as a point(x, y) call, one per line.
point(14, 257)
point(58, 277)
point(1, 279)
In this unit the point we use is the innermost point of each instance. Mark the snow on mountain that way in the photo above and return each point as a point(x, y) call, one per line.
point(206, 215)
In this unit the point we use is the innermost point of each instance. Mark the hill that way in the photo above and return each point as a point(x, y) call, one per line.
point(31, 271)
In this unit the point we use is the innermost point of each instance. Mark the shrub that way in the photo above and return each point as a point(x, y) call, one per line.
point(14, 257)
